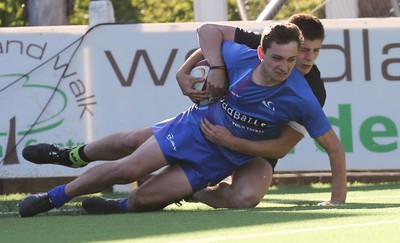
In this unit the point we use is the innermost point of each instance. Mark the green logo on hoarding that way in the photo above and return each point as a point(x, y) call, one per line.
point(39, 122)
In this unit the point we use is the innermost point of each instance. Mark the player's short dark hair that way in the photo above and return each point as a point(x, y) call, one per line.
point(310, 26)
point(281, 34)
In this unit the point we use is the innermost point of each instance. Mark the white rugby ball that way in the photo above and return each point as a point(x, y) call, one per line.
point(200, 71)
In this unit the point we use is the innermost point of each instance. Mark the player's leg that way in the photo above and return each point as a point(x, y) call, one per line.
point(249, 184)
point(146, 159)
point(162, 189)
point(116, 146)
point(112, 147)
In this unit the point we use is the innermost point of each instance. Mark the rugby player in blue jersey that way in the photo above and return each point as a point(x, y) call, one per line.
point(251, 181)
point(58, 195)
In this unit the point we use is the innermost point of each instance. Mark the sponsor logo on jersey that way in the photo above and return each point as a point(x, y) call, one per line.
point(269, 104)
point(238, 116)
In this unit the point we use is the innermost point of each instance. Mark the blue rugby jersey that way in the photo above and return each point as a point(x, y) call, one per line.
point(248, 110)
point(259, 112)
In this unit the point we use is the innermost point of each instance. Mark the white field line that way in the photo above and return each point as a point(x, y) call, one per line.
point(321, 199)
point(51, 211)
point(376, 197)
point(284, 232)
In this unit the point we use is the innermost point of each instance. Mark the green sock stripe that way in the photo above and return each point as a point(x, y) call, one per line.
point(76, 160)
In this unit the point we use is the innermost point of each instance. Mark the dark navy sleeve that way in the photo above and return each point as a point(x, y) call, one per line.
point(249, 38)
point(316, 84)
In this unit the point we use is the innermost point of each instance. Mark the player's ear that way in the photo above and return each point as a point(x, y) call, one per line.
point(260, 53)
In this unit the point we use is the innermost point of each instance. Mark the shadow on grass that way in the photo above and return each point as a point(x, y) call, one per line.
point(190, 218)
point(171, 222)
point(307, 205)
point(325, 188)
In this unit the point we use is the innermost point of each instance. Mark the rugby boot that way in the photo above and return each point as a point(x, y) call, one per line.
point(102, 205)
point(35, 204)
point(44, 153)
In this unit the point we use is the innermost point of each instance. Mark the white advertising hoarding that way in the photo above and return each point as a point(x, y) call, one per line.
point(69, 86)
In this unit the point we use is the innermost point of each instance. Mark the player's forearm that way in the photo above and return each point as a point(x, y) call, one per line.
point(191, 62)
point(271, 148)
point(330, 142)
point(339, 176)
point(187, 66)
point(263, 148)
point(210, 40)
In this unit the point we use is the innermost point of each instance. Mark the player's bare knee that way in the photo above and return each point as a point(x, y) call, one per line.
point(246, 200)
point(128, 142)
point(133, 140)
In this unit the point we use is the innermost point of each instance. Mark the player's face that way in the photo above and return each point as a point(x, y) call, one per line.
point(307, 55)
point(279, 60)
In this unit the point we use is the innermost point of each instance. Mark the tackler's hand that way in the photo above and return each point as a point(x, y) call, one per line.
point(217, 82)
point(216, 133)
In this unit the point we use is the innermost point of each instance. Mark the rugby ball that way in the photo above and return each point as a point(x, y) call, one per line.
point(200, 71)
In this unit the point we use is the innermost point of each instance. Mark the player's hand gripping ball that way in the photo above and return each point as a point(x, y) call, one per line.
point(201, 71)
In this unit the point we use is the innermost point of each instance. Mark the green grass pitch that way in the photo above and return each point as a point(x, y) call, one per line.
point(290, 214)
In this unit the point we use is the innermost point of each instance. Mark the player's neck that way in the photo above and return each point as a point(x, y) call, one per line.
point(260, 77)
